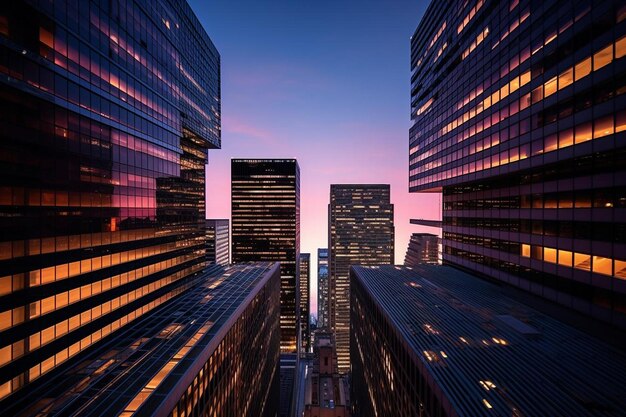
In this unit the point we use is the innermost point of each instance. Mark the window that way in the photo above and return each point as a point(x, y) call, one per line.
point(603, 57)
point(525, 250)
point(565, 258)
point(549, 255)
point(603, 127)
point(620, 269)
point(602, 265)
point(582, 261)
point(550, 87)
point(583, 132)
point(582, 69)
point(566, 78)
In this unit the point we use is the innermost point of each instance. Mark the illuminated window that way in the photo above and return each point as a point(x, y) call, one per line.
point(603, 57)
point(582, 261)
point(583, 132)
point(566, 78)
point(620, 121)
point(549, 255)
point(565, 258)
point(603, 127)
point(525, 250)
point(582, 69)
point(620, 48)
point(46, 38)
point(550, 87)
point(620, 269)
point(602, 265)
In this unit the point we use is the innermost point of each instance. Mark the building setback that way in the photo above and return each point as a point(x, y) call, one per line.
point(265, 226)
point(423, 249)
point(106, 121)
point(196, 355)
point(519, 119)
point(435, 341)
point(322, 289)
point(218, 242)
point(361, 232)
point(305, 287)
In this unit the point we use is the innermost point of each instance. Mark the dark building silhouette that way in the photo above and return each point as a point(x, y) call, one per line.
point(265, 226)
point(323, 292)
point(218, 241)
point(435, 341)
point(361, 232)
point(519, 119)
point(196, 355)
point(305, 288)
point(423, 249)
point(106, 122)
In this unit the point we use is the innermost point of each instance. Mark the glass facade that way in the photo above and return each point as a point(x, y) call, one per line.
point(265, 226)
point(305, 290)
point(218, 241)
point(361, 232)
point(521, 126)
point(322, 289)
point(423, 249)
point(109, 109)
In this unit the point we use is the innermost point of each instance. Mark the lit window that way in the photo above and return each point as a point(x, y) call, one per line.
point(550, 87)
point(582, 69)
point(549, 255)
point(582, 261)
point(46, 38)
point(583, 132)
point(620, 48)
point(603, 127)
point(603, 57)
point(565, 258)
point(566, 78)
point(620, 269)
point(602, 265)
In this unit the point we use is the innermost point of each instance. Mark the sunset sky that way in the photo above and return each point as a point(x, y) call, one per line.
point(326, 82)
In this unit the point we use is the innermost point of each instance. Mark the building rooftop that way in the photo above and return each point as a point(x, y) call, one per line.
point(154, 357)
point(492, 355)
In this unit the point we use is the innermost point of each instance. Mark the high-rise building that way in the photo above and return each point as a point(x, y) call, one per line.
point(325, 393)
point(198, 354)
point(265, 226)
point(322, 289)
point(423, 249)
point(218, 242)
point(361, 232)
point(435, 341)
point(519, 119)
point(305, 288)
point(106, 121)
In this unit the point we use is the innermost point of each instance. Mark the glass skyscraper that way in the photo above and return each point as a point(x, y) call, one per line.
point(218, 241)
point(265, 226)
point(519, 119)
point(108, 110)
point(361, 232)
point(305, 288)
point(322, 289)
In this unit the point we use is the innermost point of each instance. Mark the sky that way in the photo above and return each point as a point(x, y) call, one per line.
point(326, 82)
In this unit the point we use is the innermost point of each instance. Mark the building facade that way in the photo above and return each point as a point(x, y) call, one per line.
point(423, 249)
point(435, 341)
point(361, 232)
point(323, 293)
point(265, 226)
point(305, 289)
point(197, 355)
point(218, 241)
point(519, 119)
point(106, 122)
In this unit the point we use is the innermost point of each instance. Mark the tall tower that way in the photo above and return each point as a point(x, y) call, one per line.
point(361, 232)
point(322, 288)
point(305, 310)
point(265, 226)
point(518, 113)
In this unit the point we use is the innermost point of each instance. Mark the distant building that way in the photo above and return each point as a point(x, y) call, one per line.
point(325, 390)
point(218, 242)
point(305, 286)
point(196, 354)
point(423, 249)
point(435, 341)
point(518, 113)
point(322, 289)
point(265, 226)
point(361, 232)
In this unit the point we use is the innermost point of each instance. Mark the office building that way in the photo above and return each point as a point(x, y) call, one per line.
point(361, 232)
point(305, 287)
point(198, 354)
point(265, 226)
point(218, 242)
point(435, 341)
point(325, 390)
point(519, 120)
point(423, 249)
point(322, 289)
point(106, 120)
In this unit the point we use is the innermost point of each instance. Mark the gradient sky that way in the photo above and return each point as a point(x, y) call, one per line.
point(326, 82)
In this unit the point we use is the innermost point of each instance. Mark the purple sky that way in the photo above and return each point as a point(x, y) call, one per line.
point(326, 82)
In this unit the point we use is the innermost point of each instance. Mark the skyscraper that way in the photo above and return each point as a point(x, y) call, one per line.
point(436, 341)
point(519, 119)
point(106, 121)
point(199, 354)
point(361, 232)
point(322, 289)
point(305, 288)
point(218, 242)
point(423, 249)
point(265, 226)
